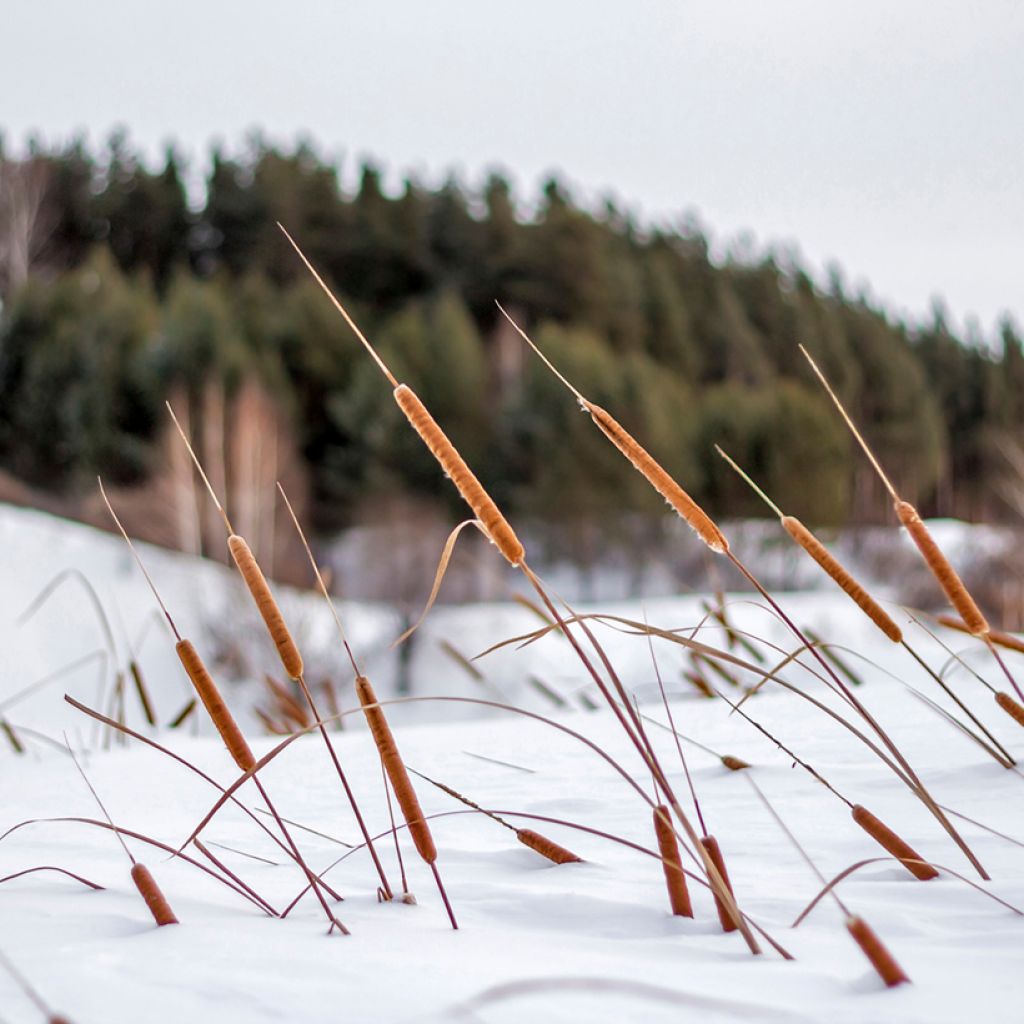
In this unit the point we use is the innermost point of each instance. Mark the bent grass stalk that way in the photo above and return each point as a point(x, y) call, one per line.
point(501, 534)
point(222, 719)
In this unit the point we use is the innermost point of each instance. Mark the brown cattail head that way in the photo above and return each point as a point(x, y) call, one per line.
point(644, 462)
point(714, 851)
point(494, 523)
point(266, 605)
point(867, 604)
point(396, 771)
point(215, 705)
point(946, 575)
point(546, 847)
point(150, 892)
point(887, 839)
point(675, 880)
point(999, 638)
point(1011, 707)
point(881, 959)
point(734, 764)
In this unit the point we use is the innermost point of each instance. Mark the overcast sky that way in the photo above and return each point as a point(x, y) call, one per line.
point(888, 136)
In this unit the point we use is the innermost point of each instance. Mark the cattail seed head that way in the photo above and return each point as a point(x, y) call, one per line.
point(215, 706)
point(675, 880)
point(658, 478)
point(546, 847)
point(396, 771)
point(714, 851)
point(150, 892)
point(1011, 707)
point(867, 604)
point(266, 605)
point(734, 764)
point(888, 840)
point(881, 959)
point(494, 523)
point(941, 569)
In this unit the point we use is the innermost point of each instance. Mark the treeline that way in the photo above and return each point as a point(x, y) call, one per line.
point(117, 291)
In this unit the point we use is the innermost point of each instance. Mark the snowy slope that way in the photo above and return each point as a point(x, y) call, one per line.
point(588, 941)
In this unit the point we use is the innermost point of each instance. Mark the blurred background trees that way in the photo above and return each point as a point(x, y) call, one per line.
point(119, 292)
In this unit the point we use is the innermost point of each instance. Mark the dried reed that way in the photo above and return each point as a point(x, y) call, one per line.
point(675, 880)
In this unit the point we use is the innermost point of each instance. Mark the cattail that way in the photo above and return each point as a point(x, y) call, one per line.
point(999, 638)
point(699, 683)
point(266, 605)
point(734, 764)
point(215, 706)
point(886, 838)
point(397, 774)
point(1011, 707)
point(150, 892)
point(714, 851)
point(546, 847)
point(675, 880)
point(946, 575)
point(881, 959)
point(494, 523)
point(871, 608)
point(644, 462)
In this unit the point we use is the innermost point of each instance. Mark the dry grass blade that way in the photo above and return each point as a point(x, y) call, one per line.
point(675, 880)
point(60, 871)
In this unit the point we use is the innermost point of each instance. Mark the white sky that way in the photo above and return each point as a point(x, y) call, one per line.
point(886, 135)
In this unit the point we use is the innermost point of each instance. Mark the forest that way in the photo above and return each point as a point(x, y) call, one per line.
point(120, 289)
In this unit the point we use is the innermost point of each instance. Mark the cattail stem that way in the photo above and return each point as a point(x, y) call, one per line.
point(714, 851)
point(210, 856)
point(881, 959)
point(150, 892)
point(675, 880)
point(888, 840)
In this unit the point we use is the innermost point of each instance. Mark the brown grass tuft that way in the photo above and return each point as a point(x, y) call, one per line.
point(881, 959)
point(266, 605)
point(396, 771)
point(494, 523)
point(645, 463)
point(215, 706)
point(675, 880)
point(150, 892)
point(888, 840)
point(714, 851)
point(867, 604)
point(943, 572)
point(546, 847)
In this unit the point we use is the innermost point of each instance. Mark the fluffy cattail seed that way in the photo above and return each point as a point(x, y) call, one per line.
point(266, 605)
point(644, 462)
point(215, 705)
point(941, 569)
point(887, 839)
point(871, 608)
point(150, 892)
point(494, 523)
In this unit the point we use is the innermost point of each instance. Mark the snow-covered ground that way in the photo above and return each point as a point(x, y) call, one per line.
point(590, 941)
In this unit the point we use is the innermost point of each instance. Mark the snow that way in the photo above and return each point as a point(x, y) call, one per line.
point(591, 941)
